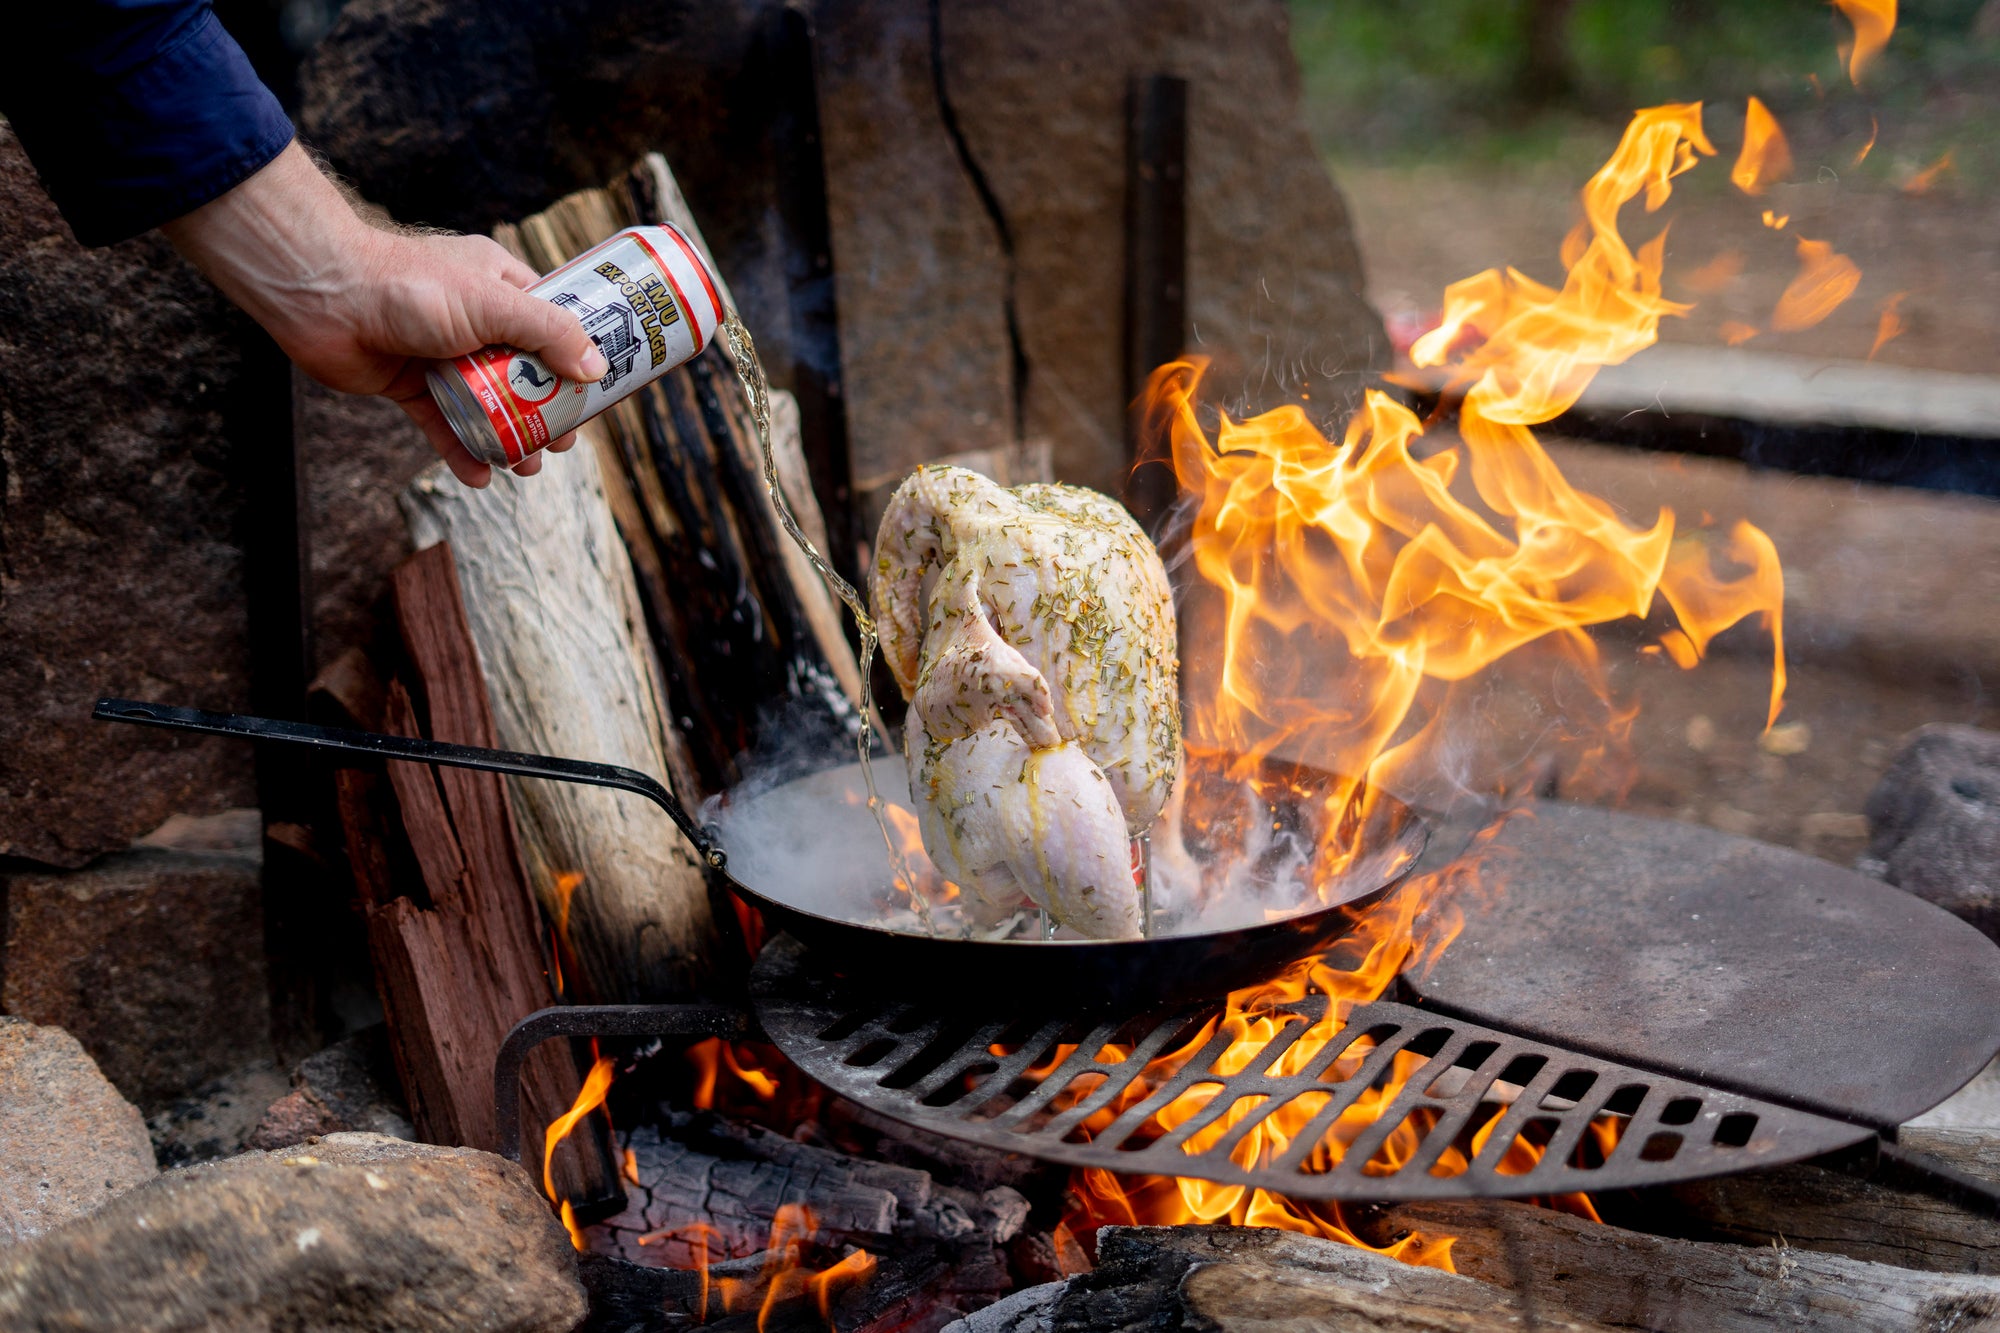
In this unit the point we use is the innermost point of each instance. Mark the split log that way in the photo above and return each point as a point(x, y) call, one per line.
point(1559, 1266)
point(1258, 1278)
point(453, 933)
point(684, 1206)
point(549, 595)
point(1832, 1212)
point(927, 1208)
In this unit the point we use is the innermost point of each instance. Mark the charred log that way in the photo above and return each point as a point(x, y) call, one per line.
point(1563, 1267)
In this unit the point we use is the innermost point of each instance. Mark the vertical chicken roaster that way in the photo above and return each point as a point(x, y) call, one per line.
point(1032, 632)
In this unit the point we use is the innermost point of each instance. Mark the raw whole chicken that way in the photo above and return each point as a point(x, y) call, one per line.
point(1032, 632)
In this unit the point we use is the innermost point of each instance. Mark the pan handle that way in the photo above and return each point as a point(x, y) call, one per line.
point(416, 750)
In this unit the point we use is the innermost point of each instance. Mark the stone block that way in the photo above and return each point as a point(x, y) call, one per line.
point(1934, 822)
point(153, 958)
point(1274, 277)
point(352, 1231)
point(69, 1144)
point(119, 517)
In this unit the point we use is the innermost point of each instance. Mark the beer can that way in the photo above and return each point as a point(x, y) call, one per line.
point(646, 298)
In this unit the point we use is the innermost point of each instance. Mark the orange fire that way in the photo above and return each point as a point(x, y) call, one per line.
point(588, 1098)
point(782, 1274)
point(567, 884)
point(1365, 559)
point(1890, 324)
point(1922, 181)
point(1358, 582)
point(1825, 279)
point(1717, 274)
point(1873, 21)
point(1766, 157)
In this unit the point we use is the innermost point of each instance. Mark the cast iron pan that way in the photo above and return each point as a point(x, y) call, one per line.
point(1080, 973)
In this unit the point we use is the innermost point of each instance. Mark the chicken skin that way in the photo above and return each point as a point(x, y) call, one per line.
point(1032, 631)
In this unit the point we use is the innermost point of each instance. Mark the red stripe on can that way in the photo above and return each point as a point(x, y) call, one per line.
point(694, 325)
point(510, 422)
point(701, 271)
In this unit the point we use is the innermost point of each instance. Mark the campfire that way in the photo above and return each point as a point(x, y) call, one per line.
point(1430, 1015)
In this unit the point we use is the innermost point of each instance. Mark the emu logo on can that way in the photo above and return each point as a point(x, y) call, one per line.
point(531, 381)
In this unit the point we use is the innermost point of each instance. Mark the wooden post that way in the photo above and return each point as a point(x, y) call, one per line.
point(1155, 274)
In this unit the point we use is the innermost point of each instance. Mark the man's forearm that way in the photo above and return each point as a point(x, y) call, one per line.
point(282, 245)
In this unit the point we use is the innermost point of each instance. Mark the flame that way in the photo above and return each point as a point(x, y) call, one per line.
point(1365, 558)
point(761, 1085)
point(1361, 968)
point(1873, 21)
point(1776, 221)
point(1922, 182)
point(1361, 556)
point(1716, 274)
point(588, 1098)
point(1890, 324)
point(1874, 129)
point(1734, 332)
point(567, 883)
point(783, 1272)
point(1826, 278)
point(1766, 157)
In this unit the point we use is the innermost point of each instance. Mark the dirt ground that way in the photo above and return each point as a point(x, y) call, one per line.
point(1421, 228)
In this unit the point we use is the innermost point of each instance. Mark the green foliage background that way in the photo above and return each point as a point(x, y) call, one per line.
point(1407, 81)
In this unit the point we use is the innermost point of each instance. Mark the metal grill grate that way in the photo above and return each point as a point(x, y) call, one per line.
point(971, 1074)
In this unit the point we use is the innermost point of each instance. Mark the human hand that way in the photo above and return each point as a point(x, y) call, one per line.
point(366, 310)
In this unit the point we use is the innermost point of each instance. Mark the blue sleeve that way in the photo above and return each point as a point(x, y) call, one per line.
point(134, 111)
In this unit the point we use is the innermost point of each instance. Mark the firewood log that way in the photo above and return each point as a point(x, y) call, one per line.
point(638, 604)
point(452, 927)
point(1818, 1208)
point(1259, 1278)
point(1567, 1268)
point(550, 598)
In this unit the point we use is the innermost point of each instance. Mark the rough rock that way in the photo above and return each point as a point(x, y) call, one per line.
point(919, 267)
point(1274, 278)
point(152, 957)
point(1934, 822)
point(358, 453)
point(69, 1143)
point(120, 568)
point(350, 1232)
point(349, 1086)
